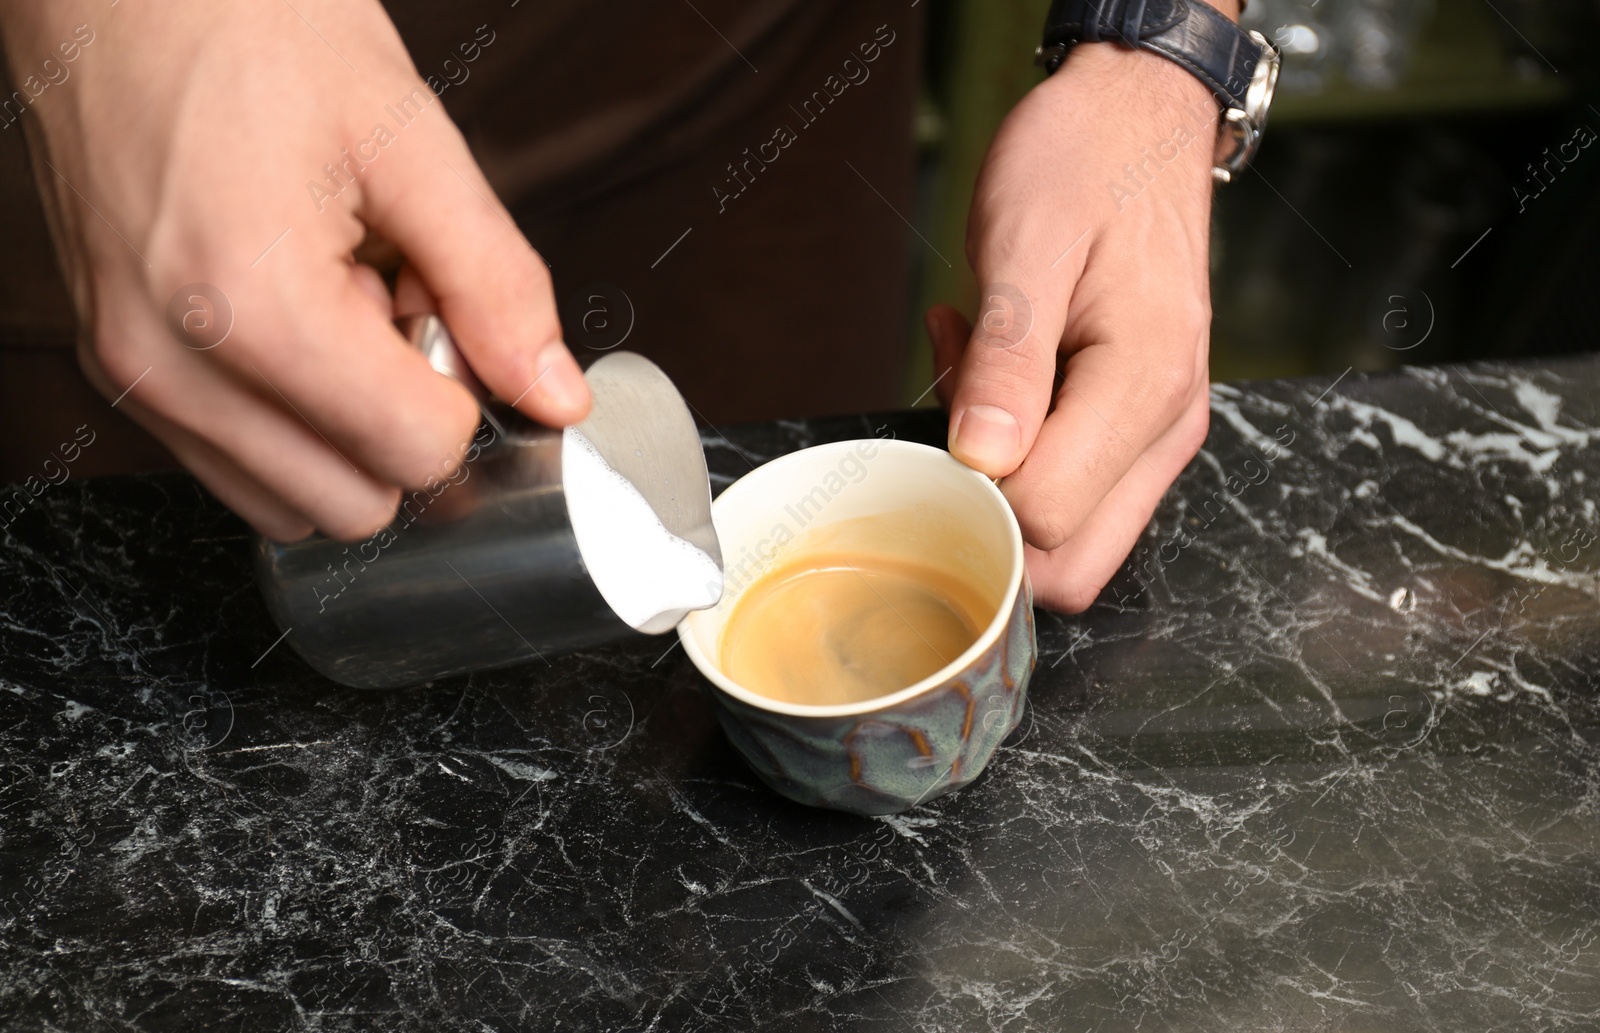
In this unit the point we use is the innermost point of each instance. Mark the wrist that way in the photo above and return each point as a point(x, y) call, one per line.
point(1136, 84)
point(1197, 38)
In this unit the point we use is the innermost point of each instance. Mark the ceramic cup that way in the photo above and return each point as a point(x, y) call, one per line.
point(889, 753)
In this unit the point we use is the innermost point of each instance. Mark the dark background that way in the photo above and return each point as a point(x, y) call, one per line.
point(1399, 132)
point(1380, 225)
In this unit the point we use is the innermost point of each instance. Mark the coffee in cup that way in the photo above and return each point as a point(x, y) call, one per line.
point(843, 626)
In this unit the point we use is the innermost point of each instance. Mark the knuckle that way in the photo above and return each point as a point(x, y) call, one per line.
point(440, 445)
point(281, 528)
point(1196, 427)
point(431, 460)
point(1046, 518)
point(514, 269)
point(999, 369)
point(1076, 596)
point(1043, 533)
point(522, 316)
point(1192, 318)
point(1046, 531)
point(114, 350)
point(523, 278)
point(1170, 388)
point(359, 522)
point(1005, 315)
point(456, 419)
point(1003, 237)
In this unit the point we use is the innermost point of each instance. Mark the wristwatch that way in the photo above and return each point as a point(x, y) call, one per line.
point(1240, 68)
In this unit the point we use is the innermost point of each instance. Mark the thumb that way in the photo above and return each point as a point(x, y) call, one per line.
point(492, 289)
point(1006, 377)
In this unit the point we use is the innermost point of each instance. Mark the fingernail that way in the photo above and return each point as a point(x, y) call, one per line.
point(986, 437)
point(559, 380)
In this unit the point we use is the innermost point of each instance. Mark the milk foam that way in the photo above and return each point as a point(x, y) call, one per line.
point(643, 570)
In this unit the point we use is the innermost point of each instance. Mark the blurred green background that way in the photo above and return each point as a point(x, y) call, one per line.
point(1410, 203)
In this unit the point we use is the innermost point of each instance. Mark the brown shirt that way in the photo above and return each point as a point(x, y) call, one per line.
point(727, 179)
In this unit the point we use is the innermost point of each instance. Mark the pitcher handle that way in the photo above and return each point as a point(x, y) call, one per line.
point(427, 333)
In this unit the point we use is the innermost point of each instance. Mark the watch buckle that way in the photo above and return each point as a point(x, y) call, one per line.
point(1050, 57)
point(1237, 140)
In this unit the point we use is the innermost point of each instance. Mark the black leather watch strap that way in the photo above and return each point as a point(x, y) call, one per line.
point(1193, 34)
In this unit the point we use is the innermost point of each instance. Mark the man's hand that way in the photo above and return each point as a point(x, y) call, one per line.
point(1085, 383)
point(251, 147)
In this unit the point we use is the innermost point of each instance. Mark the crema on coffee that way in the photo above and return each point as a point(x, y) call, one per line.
point(845, 626)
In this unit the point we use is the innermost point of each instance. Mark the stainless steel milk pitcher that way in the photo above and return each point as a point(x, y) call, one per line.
point(482, 569)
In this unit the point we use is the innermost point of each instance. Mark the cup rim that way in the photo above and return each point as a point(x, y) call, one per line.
point(987, 638)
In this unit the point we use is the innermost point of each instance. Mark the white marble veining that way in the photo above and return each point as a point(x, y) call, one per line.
point(1325, 757)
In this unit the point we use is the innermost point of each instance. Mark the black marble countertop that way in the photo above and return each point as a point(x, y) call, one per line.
point(1325, 757)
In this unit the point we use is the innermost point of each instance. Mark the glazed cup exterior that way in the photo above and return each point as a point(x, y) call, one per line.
point(893, 752)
